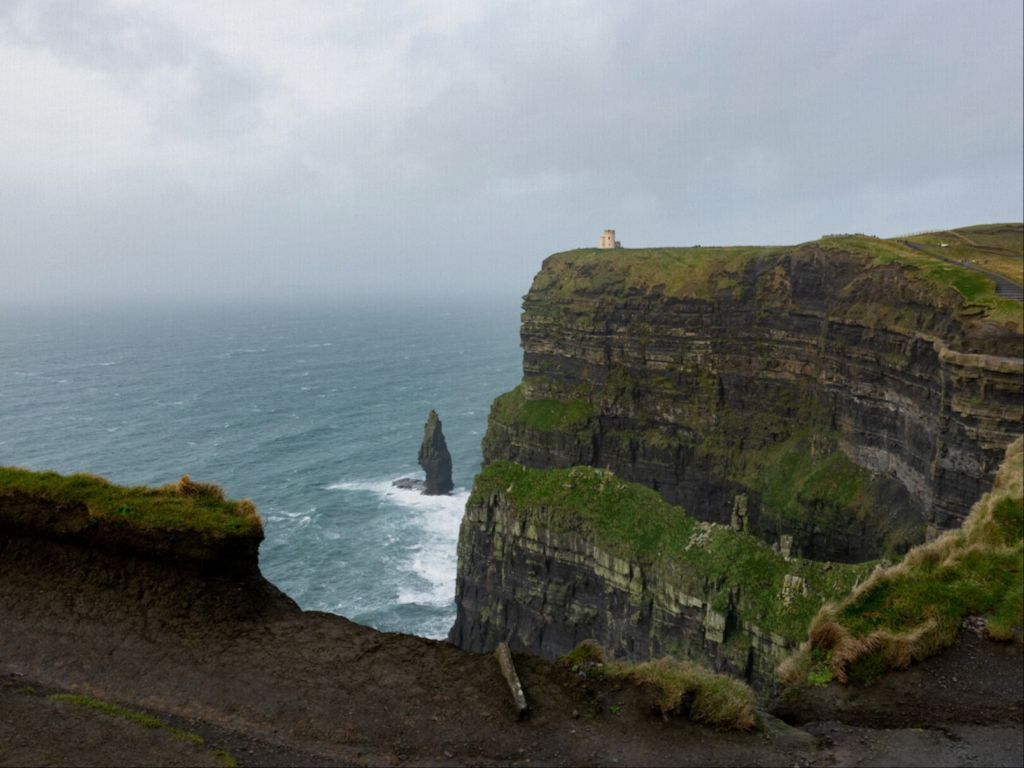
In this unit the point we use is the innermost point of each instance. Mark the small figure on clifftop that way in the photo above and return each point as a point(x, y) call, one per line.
point(435, 459)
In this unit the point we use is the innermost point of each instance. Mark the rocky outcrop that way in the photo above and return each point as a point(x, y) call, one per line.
point(435, 459)
point(183, 570)
point(548, 558)
point(838, 400)
point(853, 400)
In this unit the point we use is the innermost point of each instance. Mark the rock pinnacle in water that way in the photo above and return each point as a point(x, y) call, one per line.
point(435, 459)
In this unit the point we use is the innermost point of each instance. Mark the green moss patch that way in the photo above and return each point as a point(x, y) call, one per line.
point(182, 506)
point(909, 611)
point(134, 716)
point(541, 415)
point(143, 719)
point(802, 488)
point(676, 687)
point(679, 272)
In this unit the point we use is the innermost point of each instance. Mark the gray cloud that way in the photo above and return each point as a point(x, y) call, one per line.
point(177, 150)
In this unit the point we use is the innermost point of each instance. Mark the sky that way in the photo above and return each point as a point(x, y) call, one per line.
point(199, 150)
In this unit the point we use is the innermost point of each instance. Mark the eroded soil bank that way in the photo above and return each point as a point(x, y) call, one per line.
point(229, 658)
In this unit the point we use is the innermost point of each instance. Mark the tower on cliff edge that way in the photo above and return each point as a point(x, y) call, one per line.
point(608, 240)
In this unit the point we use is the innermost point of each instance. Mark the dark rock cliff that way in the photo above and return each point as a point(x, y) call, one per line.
point(852, 403)
point(839, 400)
point(548, 558)
point(177, 575)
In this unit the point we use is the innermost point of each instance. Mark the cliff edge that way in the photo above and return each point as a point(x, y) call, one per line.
point(858, 393)
point(813, 413)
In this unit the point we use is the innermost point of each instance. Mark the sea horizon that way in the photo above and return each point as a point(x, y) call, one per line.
point(310, 410)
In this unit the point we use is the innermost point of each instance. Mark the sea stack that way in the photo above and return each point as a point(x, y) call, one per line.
point(435, 459)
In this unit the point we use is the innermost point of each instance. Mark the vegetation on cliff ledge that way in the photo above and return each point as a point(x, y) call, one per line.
point(735, 571)
point(542, 415)
point(181, 506)
point(708, 272)
point(911, 610)
point(677, 687)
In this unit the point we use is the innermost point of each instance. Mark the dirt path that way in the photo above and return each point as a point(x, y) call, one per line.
point(1005, 287)
point(228, 658)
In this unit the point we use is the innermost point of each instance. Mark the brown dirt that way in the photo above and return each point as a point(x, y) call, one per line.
point(975, 681)
point(238, 664)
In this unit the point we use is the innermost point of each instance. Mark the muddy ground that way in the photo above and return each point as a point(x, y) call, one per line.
point(232, 661)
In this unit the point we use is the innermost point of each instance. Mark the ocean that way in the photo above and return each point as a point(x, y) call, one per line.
point(311, 412)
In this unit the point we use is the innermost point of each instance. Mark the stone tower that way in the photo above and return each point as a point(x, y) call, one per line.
point(608, 240)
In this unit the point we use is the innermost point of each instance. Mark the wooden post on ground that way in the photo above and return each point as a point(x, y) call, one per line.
point(508, 670)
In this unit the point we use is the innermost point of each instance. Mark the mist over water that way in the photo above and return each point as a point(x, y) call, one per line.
point(310, 412)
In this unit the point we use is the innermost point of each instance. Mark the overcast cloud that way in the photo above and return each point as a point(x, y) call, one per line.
point(194, 149)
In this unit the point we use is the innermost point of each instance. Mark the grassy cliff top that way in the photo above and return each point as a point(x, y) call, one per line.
point(911, 610)
point(695, 272)
point(705, 272)
point(998, 248)
point(634, 523)
point(184, 506)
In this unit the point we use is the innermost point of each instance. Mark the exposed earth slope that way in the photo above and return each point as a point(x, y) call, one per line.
point(128, 643)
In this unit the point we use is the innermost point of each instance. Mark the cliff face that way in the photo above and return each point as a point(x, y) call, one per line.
point(184, 556)
point(548, 558)
point(839, 400)
point(851, 399)
point(545, 593)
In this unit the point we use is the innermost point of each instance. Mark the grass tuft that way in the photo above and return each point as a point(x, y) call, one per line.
point(182, 506)
point(910, 611)
point(678, 687)
point(145, 720)
point(134, 716)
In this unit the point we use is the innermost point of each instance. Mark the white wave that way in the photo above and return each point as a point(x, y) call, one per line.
point(430, 527)
point(293, 514)
point(377, 486)
point(432, 565)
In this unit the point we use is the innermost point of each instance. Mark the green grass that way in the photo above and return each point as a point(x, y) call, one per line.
point(996, 247)
point(633, 522)
point(144, 719)
point(182, 506)
point(977, 291)
point(541, 415)
point(788, 473)
point(677, 687)
point(715, 271)
point(131, 715)
point(679, 272)
point(909, 611)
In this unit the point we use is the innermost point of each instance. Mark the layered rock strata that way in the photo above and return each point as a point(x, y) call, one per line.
point(839, 400)
point(851, 400)
point(548, 558)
